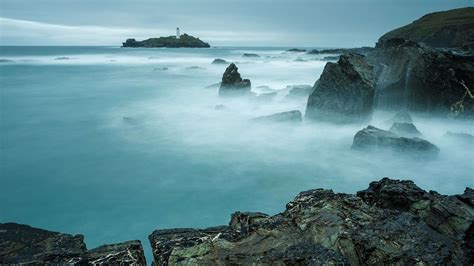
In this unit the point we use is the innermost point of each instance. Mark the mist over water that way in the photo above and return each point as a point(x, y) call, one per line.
point(103, 141)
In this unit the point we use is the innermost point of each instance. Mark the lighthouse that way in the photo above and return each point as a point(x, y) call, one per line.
point(177, 33)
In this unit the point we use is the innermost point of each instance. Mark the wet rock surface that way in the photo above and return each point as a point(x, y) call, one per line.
point(344, 92)
point(372, 138)
point(392, 222)
point(232, 83)
point(28, 245)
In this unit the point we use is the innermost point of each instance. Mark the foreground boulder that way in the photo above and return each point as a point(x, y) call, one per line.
point(372, 138)
point(291, 116)
point(391, 223)
point(23, 244)
point(232, 83)
point(344, 92)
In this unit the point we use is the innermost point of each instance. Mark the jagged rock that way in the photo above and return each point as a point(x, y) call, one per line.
point(250, 55)
point(23, 244)
point(446, 29)
point(169, 42)
point(232, 83)
point(360, 50)
point(344, 92)
point(412, 77)
point(405, 129)
point(219, 61)
point(291, 116)
point(391, 223)
point(372, 138)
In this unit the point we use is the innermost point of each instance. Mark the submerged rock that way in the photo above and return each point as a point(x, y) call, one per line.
point(299, 91)
point(400, 117)
point(250, 55)
point(405, 129)
point(296, 50)
point(459, 137)
point(23, 244)
point(392, 222)
point(290, 116)
point(344, 92)
point(219, 61)
point(233, 84)
point(372, 138)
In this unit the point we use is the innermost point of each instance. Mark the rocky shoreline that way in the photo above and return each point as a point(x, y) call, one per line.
point(392, 222)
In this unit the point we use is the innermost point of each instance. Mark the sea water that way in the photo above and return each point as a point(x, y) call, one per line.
point(114, 143)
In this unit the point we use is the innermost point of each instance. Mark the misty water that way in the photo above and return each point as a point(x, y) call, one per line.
point(105, 142)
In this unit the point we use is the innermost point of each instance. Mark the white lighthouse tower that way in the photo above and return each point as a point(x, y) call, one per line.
point(177, 33)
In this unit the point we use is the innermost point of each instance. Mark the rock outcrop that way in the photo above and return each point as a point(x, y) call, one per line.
point(359, 50)
point(344, 92)
point(23, 244)
point(391, 223)
point(416, 78)
point(219, 61)
point(372, 138)
point(290, 116)
point(446, 29)
point(232, 83)
point(168, 42)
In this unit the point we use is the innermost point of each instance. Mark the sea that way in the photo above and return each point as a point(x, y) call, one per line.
point(114, 143)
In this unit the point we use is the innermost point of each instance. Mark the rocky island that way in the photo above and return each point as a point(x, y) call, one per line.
point(168, 42)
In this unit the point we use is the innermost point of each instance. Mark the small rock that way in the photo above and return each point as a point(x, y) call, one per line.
point(296, 50)
point(405, 129)
point(250, 55)
point(62, 58)
point(219, 61)
point(374, 138)
point(232, 83)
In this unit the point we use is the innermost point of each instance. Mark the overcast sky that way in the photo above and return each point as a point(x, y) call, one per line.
point(312, 23)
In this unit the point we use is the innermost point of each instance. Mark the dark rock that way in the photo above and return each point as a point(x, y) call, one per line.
point(161, 69)
point(291, 116)
point(360, 50)
point(296, 50)
point(391, 223)
point(62, 58)
point(250, 55)
point(344, 92)
point(169, 42)
point(372, 138)
point(446, 29)
point(416, 78)
point(6, 61)
point(467, 197)
point(219, 61)
point(405, 129)
point(232, 83)
point(23, 244)
point(299, 60)
point(314, 51)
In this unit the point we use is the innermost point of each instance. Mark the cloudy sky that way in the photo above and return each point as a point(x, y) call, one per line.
point(312, 23)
